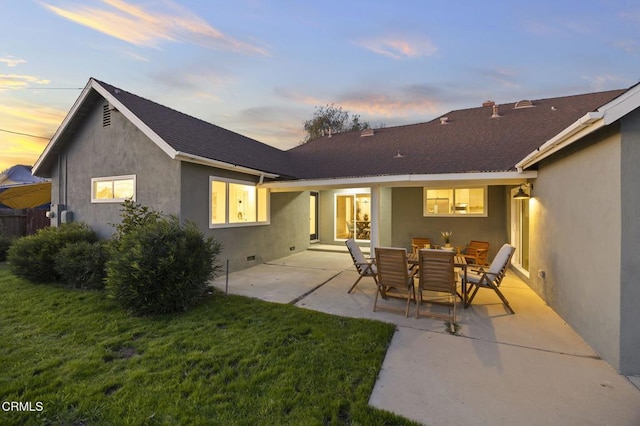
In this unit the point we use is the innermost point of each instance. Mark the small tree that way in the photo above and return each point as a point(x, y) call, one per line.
point(332, 119)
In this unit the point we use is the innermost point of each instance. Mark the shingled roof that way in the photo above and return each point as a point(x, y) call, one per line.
point(191, 135)
point(469, 141)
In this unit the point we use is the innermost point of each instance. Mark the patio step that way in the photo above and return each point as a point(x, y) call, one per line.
point(334, 248)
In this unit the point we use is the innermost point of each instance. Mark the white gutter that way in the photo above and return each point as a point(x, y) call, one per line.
point(182, 156)
point(588, 123)
point(493, 178)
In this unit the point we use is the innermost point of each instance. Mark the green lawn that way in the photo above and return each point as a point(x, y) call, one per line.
point(232, 360)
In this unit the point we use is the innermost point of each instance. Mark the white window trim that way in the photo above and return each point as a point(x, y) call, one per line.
point(112, 178)
point(485, 194)
point(226, 223)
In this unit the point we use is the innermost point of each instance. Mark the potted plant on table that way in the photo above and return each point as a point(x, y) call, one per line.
point(446, 235)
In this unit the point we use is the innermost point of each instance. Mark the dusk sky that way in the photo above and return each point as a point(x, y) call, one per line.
point(260, 68)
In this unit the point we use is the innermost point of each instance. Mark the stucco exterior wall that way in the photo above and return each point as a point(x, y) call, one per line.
point(630, 248)
point(118, 149)
point(288, 228)
point(408, 221)
point(575, 239)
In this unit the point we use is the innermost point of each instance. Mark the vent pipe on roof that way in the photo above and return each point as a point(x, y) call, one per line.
point(444, 120)
point(495, 112)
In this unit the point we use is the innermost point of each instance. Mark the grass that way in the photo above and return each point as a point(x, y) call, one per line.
point(232, 361)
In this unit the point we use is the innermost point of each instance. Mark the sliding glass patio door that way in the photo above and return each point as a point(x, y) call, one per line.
point(352, 216)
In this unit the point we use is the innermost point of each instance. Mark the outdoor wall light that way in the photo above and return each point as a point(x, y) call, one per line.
point(521, 195)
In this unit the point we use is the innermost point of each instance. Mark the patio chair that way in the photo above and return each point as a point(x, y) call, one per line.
point(476, 252)
point(418, 243)
point(350, 229)
point(492, 277)
point(394, 278)
point(365, 266)
point(436, 276)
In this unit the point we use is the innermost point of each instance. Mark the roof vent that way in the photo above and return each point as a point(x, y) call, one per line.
point(488, 103)
point(444, 120)
point(525, 103)
point(367, 132)
point(398, 155)
point(106, 115)
point(495, 112)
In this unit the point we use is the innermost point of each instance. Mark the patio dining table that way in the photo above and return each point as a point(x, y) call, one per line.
point(459, 261)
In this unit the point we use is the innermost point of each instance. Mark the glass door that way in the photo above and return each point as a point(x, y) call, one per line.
point(353, 216)
point(520, 232)
point(313, 216)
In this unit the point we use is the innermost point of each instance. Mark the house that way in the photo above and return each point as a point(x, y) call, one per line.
point(576, 237)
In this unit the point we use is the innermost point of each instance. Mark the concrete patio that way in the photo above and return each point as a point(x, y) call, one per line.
point(530, 368)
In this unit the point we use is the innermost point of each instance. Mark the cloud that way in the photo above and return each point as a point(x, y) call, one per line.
point(602, 82)
point(148, 28)
point(631, 15)
point(403, 102)
point(16, 81)
point(395, 102)
point(504, 76)
point(398, 47)
point(630, 46)
point(40, 120)
point(10, 61)
point(30, 119)
point(301, 98)
point(19, 150)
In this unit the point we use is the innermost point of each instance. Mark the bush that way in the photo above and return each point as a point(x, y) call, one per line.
point(134, 216)
point(5, 243)
point(82, 264)
point(33, 257)
point(161, 267)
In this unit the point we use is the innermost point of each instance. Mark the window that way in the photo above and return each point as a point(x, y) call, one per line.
point(114, 189)
point(235, 203)
point(455, 201)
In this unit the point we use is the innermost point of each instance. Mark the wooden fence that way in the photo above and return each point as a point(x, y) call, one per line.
point(21, 222)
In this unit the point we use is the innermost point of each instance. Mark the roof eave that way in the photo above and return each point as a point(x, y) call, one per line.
point(92, 84)
point(183, 156)
point(36, 169)
point(587, 124)
point(478, 178)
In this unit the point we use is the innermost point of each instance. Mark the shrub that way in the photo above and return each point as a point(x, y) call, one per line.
point(161, 267)
point(82, 264)
point(33, 257)
point(5, 243)
point(134, 216)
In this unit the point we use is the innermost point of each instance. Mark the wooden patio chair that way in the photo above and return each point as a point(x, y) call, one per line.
point(437, 277)
point(492, 277)
point(394, 278)
point(365, 266)
point(418, 243)
point(476, 252)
